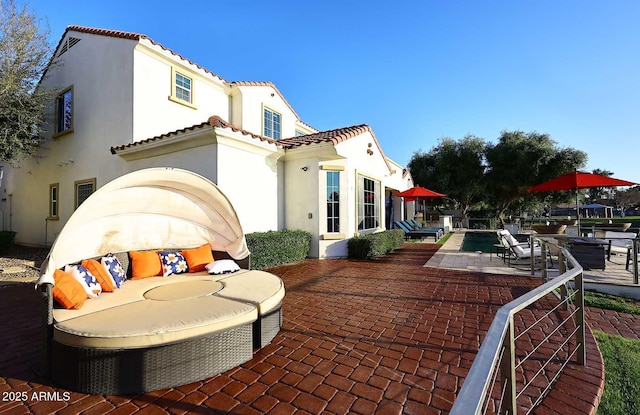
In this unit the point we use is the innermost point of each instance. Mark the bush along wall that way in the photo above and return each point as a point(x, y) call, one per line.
point(6, 239)
point(374, 245)
point(272, 248)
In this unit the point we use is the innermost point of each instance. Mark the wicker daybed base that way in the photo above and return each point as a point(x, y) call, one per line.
point(117, 371)
point(128, 371)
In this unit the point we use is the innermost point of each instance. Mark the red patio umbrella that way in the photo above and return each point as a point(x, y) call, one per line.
point(419, 192)
point(578, 180)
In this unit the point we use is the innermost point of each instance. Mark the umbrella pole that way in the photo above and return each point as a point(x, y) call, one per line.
point(578, 213)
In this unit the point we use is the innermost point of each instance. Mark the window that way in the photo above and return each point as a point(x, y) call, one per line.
point(271, 124)
point(64, 112)
point(53, 201)
point(333, 201)
point(183, 87)
point(84, 189)
point(300, 133)
point(368, 203)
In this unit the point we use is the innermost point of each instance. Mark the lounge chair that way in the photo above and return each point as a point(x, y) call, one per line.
point(620, 243)
point(422, 233)
point(516, 249)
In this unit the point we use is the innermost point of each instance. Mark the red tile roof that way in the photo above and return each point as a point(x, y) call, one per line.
point(132, 36)
point(213, 121)
point(335, 136)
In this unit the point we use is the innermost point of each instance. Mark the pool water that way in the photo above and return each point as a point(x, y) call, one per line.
point(479, 241)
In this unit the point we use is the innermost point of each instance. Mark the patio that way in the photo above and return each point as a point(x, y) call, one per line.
point(614, 279)
point(389, 336)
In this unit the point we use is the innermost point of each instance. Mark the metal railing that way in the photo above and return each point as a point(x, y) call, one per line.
point(514, 360)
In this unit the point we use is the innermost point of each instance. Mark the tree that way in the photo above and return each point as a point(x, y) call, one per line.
point(520, 160)
point(24, 57)
point(626, 199)
point(598, 193)
point(452, 167)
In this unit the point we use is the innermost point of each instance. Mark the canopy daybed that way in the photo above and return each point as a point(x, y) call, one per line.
point(162, 328)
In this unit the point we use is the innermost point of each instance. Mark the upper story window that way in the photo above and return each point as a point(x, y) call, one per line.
point(64, 112)
point(271, 124)
point(300, 133)
point(181, 88)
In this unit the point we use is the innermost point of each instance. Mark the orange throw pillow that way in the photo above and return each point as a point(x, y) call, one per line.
point(100, 272)
point(197, 258)
point(67, 290)
point(145, 264)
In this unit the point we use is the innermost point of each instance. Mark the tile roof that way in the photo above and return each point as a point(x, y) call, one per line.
point(268, 84)
point(213, 121)
point(133, 36)
point(334, 136)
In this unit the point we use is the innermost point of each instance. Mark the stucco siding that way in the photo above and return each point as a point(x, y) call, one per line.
point(154, 113)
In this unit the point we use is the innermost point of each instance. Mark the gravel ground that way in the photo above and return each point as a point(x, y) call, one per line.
point(21, 263)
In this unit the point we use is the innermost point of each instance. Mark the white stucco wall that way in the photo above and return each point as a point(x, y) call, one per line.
point(154, 113)
point(99, 69)
point(254, 99)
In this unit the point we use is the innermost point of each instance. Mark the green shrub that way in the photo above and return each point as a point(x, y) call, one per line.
point(6, 239)
point(374, 245)
point(272, 248)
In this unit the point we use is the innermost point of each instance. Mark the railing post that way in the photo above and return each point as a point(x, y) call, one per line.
point(580, 333)
point(635, 261)
point(562, 265)
point(532, 257)
point(543, 258)
point(508, 371)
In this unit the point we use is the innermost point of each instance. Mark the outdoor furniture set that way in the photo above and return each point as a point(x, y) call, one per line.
point(414, 230)
point(178, 303)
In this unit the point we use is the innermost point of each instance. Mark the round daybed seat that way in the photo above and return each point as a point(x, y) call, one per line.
point(161, 310)
point(160, 332)
point(153, 332)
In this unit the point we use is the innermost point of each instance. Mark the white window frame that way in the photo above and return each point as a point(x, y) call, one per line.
point(270, 127)
point(333, 204)
point(368, 212)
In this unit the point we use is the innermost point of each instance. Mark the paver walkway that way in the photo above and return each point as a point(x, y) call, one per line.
point(613, 322)
point(387, 337)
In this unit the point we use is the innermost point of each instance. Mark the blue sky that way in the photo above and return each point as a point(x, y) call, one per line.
point(415, 71)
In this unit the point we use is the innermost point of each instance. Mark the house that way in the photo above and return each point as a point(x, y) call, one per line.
point(127, 103)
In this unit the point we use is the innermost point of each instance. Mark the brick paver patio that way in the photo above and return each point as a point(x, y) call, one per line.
point(388, 337)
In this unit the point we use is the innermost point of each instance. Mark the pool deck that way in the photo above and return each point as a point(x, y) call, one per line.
point(614, 279)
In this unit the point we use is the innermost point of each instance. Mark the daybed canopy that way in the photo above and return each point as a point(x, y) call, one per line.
point(148, 209)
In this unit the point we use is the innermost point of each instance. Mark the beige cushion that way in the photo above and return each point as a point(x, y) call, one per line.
point(261, 288)
point(183, 291)
point(131, 291)
point(151, 323)
point(160, 310)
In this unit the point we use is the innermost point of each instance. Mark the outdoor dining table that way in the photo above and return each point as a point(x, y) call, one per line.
point(589, 252)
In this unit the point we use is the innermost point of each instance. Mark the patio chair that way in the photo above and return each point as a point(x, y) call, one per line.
point(516, 249)
point(620, 243)
point(409, 232)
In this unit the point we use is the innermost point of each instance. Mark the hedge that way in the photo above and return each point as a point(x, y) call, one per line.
point(374, 245)
point(6, 239)
point(272, 248)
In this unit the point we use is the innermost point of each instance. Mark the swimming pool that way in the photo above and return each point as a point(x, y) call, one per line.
point(479, 241)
